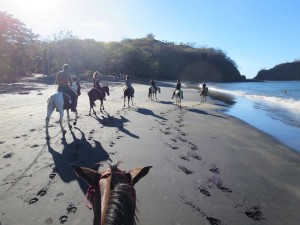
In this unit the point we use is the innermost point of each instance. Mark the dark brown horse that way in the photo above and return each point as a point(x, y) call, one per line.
point(203, 94)
point(112, 193)
point(96, 94)
point(128, 92)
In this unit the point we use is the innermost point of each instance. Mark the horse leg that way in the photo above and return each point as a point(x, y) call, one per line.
point(76, 116)
point(61, 115)
point(68, 118)
point(131, 100)
point(124, 100)
point(101, 106)
point(49, 113)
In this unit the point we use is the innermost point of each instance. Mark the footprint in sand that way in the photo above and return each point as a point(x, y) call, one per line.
point(214, 170)
point(33, 200)
point(52, 175)
point(112, 144)
point(255, 213)
point(71, 208)
point(42, 192)
point(213, 221)
point(31, 130)
point(48, 221)
point(2, 142)
point(184, 158)
point(204, 191)
point(34, 146)
point(185, 170)
point(63, 219)
point(17, 137)
point(9, 155)
point(195, 156)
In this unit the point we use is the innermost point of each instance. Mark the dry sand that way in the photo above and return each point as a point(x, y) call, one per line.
point(208, 168)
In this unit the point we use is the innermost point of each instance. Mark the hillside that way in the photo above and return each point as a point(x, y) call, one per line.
point(284, 71)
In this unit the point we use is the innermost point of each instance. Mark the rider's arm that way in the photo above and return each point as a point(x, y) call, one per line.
point(70, 80)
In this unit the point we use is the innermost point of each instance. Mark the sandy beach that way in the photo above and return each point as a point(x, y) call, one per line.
point(208, 168)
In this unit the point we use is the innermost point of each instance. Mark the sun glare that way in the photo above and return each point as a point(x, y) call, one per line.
point(36, 6)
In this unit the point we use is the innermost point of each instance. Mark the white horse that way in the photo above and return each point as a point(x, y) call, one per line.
point(152, 92)
point(56, 101)
point(178, 97)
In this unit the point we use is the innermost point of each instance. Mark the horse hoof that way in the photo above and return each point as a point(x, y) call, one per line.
point(48, 138)
point(74, 123)
point(64, 131)
point(70, 127)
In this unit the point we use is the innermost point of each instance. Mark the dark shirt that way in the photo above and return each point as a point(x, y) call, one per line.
point(152, 83)
point(203, 86)
point(178, 86)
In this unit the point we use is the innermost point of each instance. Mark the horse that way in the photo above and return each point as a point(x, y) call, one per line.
point(112, 193)
point(152, 92)
point(60, 102)
point(128, 92)
point(203, 94)
point(96, 94)
point(178, 97)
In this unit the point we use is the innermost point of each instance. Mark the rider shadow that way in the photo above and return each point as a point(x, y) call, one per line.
point(205, 113)
point(79, 152)
point(166, 102)
point(111, 121)
point(149, 113)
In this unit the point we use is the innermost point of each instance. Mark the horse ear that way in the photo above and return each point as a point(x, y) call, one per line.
point(138, 173)
point(87, 174)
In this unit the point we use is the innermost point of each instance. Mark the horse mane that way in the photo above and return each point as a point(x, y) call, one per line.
point(121, 204)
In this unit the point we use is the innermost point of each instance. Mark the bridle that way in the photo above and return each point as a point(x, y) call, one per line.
point(92, 190)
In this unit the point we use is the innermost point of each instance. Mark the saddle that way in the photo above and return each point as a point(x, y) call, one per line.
point(67, 101)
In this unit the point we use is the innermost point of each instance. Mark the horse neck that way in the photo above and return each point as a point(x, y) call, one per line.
point(121, 208)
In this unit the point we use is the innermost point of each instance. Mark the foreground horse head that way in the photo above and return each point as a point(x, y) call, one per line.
point(97, 94)
point(112, 193)
point(129, 94)
point(56, 101)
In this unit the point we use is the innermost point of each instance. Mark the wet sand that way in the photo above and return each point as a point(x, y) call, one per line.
point(208, 167)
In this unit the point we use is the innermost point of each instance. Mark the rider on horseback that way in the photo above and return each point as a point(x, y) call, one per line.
point(62, 79)
point(128, 84)
point(152, 82)
point(178, 87)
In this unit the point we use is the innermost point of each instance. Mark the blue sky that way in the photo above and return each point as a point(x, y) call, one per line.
point(256, 34)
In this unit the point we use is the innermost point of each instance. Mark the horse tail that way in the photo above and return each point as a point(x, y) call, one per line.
point(149, 92)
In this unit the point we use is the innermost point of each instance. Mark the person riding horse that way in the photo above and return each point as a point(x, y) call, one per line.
point(128, 84)
point(152, 82)
point(62, 79)
point(96, 82)
point(178, 87)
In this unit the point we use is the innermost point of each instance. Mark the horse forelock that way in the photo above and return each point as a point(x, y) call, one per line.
point(121, 206)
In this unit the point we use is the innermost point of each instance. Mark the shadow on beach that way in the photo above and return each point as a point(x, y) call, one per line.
point(79, 152)
point(111, 121)
point(205, 113)
point(149, 112)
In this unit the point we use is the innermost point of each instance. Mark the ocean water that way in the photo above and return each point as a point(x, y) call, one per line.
point(272, 107)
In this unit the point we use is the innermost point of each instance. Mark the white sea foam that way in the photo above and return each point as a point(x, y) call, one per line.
point(287, 103)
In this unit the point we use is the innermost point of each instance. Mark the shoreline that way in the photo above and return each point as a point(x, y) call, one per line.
point(206, 167)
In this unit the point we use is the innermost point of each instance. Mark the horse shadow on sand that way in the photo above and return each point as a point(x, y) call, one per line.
point(149, 112)
point(205, 113)
point(166, 102)
point(111, 121)
point(79, 152)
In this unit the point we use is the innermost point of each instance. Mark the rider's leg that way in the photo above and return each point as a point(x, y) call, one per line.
point(173, 94)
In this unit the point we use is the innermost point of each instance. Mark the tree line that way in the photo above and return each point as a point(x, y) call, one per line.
point(21, 52)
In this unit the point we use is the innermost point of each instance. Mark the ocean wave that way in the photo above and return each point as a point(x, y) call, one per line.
point(287, 103)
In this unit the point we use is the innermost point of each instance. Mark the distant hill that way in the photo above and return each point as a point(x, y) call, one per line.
point(284, 71)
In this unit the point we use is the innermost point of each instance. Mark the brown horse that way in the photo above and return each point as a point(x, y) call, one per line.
point(112, 193)
point(128, 92)
point(96, 94)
